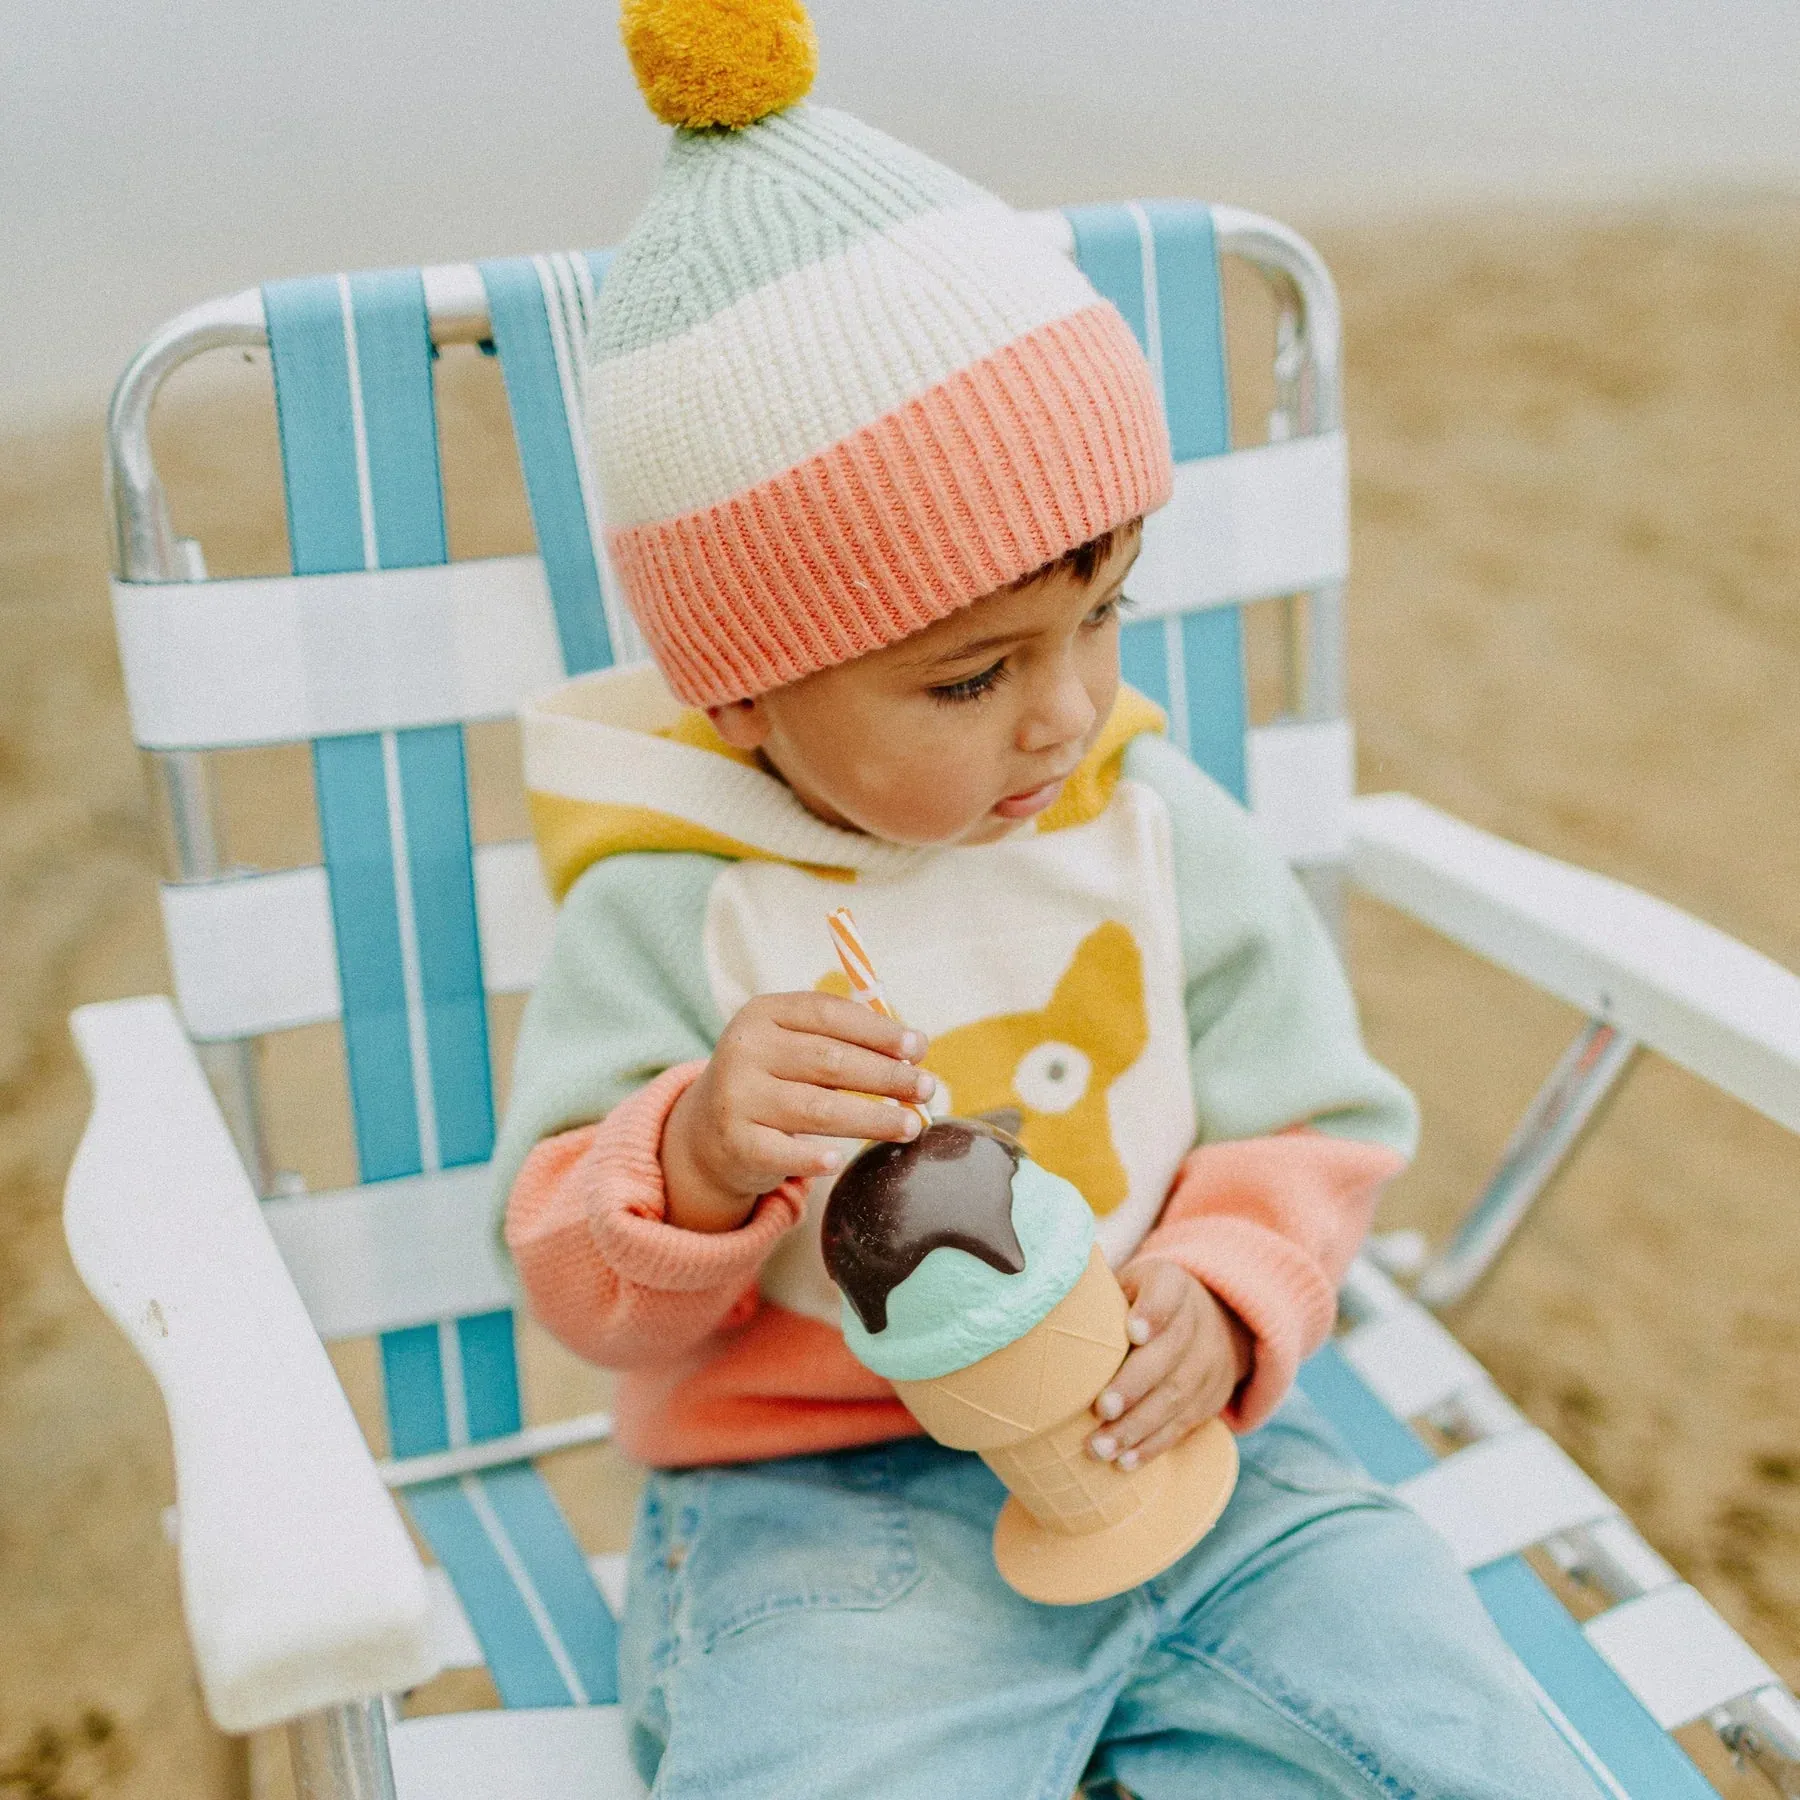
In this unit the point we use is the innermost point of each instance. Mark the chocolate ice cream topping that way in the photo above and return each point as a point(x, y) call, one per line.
point(896, 1203)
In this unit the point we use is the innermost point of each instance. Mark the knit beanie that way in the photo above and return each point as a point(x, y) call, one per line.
point(835, 391)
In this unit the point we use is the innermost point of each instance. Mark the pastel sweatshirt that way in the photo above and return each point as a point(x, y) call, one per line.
point(1132, 982)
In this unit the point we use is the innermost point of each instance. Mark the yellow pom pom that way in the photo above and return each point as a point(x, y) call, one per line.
point(719, 62)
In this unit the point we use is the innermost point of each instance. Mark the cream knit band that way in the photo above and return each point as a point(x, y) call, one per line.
point(836, 393)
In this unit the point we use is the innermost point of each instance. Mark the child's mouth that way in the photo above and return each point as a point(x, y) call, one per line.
point(1033, 800)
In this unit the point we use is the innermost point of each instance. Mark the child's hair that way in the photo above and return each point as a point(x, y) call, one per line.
point(1083, 561)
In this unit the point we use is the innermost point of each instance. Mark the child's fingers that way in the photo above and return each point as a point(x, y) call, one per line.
point(807, 1111)
point(1182, 1390)
point(828, 1062)
point(1163, 1405)
point(1129, 1417)
point(1143, 1372)
point(766, 1157)
point(1164, 1438)
point(1158, 1292)
point(829, 1016)
point(1196, 1389)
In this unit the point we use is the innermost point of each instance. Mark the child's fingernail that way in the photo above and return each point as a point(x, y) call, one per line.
point(912, 1046)
point(1112, 1403)
point(925, 1086)
point(830, 1159)
point(1138, 1330)
point(1129, 1460)
point(1103, 1447)
point(912, 1125)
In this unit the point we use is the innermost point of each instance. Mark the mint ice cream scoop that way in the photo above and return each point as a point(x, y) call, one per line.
point(949, 1248)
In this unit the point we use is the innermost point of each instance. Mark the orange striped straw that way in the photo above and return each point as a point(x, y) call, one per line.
point(865, 984)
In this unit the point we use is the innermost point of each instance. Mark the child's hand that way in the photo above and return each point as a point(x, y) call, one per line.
point(1191, 1354)
point(788, 1070)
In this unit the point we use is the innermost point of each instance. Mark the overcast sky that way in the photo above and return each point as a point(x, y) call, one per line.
point(154, 154)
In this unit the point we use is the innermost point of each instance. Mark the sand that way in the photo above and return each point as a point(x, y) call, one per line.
point(1576, 450)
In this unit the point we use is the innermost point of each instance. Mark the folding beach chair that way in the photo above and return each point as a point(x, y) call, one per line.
point(306, 1600)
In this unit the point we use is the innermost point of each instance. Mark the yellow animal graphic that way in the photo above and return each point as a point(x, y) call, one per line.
point(1045, 1075)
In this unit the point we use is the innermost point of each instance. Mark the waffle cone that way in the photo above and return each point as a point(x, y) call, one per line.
point(1075, 1528)
point(1036, 1381)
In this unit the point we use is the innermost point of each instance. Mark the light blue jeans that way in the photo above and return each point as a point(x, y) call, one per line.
point(833, 1627)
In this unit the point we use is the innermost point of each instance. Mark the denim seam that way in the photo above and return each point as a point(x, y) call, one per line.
point(1065, 1778)
point(898, 1576)
point(1290, 1709)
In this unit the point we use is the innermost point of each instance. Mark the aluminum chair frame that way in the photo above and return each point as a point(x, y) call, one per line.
point(342, 1750)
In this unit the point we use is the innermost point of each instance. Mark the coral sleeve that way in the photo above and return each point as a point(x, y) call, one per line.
point(1270, 1225)
point(587, 1225)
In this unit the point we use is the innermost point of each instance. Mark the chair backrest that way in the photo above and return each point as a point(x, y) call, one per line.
point(378, 652)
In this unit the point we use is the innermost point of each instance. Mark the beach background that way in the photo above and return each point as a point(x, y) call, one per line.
point(1568, 245)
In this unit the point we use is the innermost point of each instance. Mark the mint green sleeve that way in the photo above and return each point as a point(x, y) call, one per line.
point(1272, 1028)
point(623, 996)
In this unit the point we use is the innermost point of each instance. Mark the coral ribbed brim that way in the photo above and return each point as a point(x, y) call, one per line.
point(996, 471)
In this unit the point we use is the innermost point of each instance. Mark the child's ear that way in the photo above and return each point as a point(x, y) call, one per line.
point(743, 724)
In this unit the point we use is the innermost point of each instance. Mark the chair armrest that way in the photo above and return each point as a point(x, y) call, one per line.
point(1717, 1007)
point(300, 1584)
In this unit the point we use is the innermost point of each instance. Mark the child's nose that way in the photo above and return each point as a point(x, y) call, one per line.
point(1064, 713)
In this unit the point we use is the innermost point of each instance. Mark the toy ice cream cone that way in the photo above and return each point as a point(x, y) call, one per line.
point(1076, 1528)
point(971, 1280)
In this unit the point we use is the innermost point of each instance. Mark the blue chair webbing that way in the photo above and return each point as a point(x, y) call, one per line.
point(1158, 263)
point(537, 327)
point(1643, 1759)
point(352, 362)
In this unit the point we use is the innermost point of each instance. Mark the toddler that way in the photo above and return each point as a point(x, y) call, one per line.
point(874, 463)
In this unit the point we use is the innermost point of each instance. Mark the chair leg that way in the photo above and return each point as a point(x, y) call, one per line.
point(342, 1753)
point(1565, 1107)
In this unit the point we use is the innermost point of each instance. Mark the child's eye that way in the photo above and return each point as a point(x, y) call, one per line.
point(971, 687)
point(1116, 607)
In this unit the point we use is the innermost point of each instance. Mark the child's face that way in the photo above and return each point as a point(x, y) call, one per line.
point(956, 734)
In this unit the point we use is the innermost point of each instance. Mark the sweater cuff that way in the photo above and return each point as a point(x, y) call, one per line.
point(627, 1203)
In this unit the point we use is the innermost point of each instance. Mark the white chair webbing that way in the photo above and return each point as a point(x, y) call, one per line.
point(213, 665)
point(220, 934)
point(514, 915)
point(1677, 1655)
point(1301, 777)
point(394, 1253)
point(553, 1753)
point(1502, 1495)
point(1247, 525)
point(1410, 1360)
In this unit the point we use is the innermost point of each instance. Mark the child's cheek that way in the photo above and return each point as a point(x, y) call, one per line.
point(923, 798)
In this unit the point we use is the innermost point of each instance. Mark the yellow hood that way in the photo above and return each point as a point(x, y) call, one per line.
point(614, 763)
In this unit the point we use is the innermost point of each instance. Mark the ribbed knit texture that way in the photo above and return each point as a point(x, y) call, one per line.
point(585, 1226)
point(836, 392)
